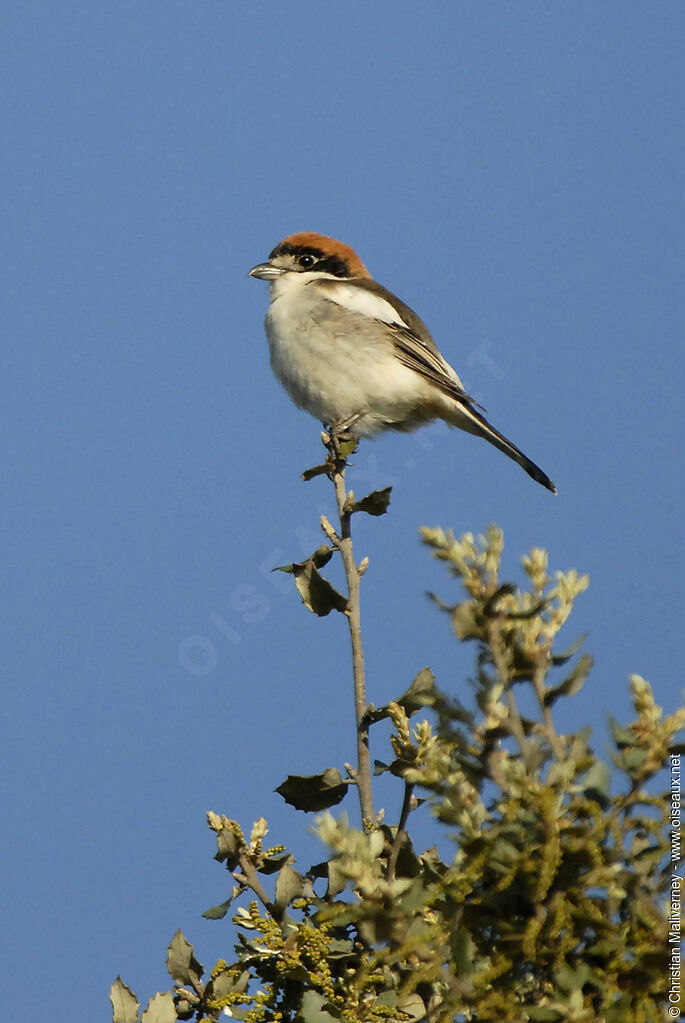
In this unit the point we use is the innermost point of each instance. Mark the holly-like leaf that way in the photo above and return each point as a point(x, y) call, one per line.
point(314, 792)
point(160, 1009)
point(288, 887)
point(125, 1005)
point(316, 592)
point(181, 962)
point(421, 692)
point(375, 503)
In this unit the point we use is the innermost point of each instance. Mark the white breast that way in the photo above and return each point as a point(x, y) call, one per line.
point(334, 356)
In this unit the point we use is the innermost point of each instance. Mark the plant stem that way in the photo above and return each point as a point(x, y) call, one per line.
point(548, 717)
point(250, 879)
point(500, 661)
point(401, 830)
point(353, 614)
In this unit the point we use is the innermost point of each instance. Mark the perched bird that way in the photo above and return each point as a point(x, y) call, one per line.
point(353, 355)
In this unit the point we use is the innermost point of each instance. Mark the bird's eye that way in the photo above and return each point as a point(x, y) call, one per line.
point(306, 261)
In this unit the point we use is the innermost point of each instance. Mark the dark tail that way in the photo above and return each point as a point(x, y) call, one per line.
point(475, 423)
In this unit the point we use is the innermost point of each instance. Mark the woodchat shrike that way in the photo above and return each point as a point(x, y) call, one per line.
point(349, 352)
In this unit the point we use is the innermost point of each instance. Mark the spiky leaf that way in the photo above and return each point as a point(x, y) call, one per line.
point(160, 1009)
point(375, 503)
point(314, 792)
point(181, 962)
point(125, 1005)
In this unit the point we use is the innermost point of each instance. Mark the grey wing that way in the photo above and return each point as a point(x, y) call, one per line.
point(415, 348)
point(424, 358)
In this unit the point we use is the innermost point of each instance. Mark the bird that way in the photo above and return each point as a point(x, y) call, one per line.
point(356, 357)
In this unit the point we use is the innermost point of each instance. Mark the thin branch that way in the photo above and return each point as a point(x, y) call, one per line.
point(500, 662)
point(250, 879)
point(353, 574)
point(547, 716)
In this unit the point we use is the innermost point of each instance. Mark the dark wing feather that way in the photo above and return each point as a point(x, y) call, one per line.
point(413, 352)
point(414, 346)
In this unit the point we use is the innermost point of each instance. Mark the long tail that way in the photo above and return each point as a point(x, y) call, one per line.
point(469, 419)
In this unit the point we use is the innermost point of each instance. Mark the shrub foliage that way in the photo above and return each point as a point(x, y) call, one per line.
point(547, 899)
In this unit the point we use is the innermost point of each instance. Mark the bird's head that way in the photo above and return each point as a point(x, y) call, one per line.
point(307, 252)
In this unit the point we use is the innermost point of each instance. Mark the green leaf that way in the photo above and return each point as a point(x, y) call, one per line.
point(465, 621)
point(274, 863)
point(597, 783)
point(633, 759)
point(160, 1009)
point(314, 792)
point(220, 911)
point(316, 592)
point(413, 1006)
point(570, 979)
point(387, 997)
point(228, 848)
point(181, 962)
point(562, 658)
point(573, 682)
point(349, 446)
point(337, 879)
point(217, 912)
point(288, 887)
point(421, 692)
point(621, 736)
point(375, 503)
point(340, 948)
point(223, 984)
point(542, 1014)
point(618, 1012)
point(462, 952)
point(125, 1005)
point(321, 556)
point(184, 1009)
point(313, 1008)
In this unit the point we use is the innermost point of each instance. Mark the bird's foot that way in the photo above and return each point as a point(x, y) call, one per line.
point(340, 439)
point(341, 430)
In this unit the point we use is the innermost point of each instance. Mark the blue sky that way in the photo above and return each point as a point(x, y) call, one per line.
point(514, 173)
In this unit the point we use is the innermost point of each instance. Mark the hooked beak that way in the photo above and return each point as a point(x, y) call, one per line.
point(266, 271)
